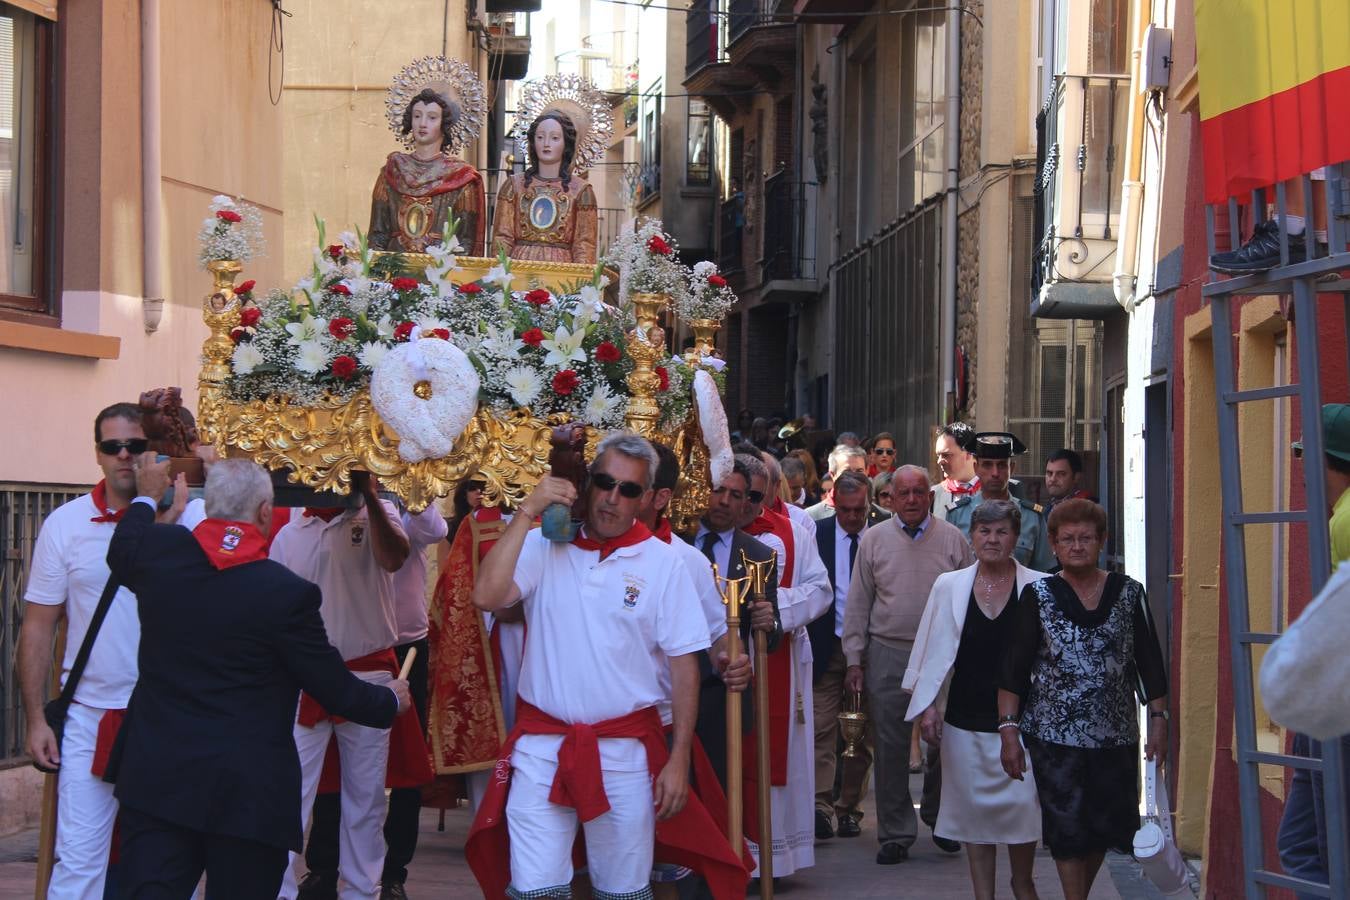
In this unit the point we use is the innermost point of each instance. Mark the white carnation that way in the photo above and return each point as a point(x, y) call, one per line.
point(246, 358)
point(311, 357)
point(524, 385)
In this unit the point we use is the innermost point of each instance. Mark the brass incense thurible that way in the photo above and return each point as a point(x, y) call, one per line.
point(852, 724)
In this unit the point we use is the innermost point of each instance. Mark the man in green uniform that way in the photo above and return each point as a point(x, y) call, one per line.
point(994, 452)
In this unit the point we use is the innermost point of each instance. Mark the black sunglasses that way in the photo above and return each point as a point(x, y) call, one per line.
point(754, 496)
point(885, 451)
point(606, 483)
point(135, 446)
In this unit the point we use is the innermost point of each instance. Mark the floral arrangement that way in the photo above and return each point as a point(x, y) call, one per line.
point(708, 296)
point(232, 231)
point(647, 261)
point(325, 339)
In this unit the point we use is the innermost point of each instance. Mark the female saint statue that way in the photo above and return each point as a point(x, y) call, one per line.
point(416, 190)
point(549, 211)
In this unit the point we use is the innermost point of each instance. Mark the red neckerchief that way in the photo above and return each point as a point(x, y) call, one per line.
point(635, 535)
point(327, 513)
point(662, 532)
point(957, 488)
point(780, 673)
point(106, 513)
point(229, 543)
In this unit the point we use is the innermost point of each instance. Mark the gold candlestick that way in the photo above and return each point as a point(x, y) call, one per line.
point(647, 347)
point(759, 571)
point(733, 592)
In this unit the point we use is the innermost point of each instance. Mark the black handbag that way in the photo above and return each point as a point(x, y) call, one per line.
point(55, 711)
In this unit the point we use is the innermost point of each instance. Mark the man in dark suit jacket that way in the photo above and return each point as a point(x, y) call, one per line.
point(205, 765)
point(837, 796)
point(720, 540)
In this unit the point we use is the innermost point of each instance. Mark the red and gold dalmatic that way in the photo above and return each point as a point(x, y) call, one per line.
point(544, 221)
point(1275, 87)
point(411, 198)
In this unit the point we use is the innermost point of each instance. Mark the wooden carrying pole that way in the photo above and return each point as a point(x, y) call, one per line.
point(733, 593)
point(759, 576)
point(407, 664)
point(46, 849)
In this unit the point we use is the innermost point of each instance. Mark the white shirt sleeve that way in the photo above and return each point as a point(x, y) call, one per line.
point(425, 528)
point(193, 514)
point(809, 596)
point(700, 573)
point(48, 577)
point(530, 564)
point(394, 516)
point(278, 550)
point(681, 628)
point(1304, 673)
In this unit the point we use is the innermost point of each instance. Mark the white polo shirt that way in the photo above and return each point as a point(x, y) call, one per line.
point(710, 603)
point(599, 632)
point(358, 595)
point(70, 566)
point(424, 530)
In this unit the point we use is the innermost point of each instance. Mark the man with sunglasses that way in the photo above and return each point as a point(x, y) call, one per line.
point(67, 578)
point(605, 613)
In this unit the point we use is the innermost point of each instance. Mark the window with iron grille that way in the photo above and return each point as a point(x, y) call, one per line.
point(698, 162)
point(23, 508)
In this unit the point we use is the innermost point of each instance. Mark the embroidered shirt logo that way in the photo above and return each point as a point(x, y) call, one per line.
point(632, 590)
point(229, 542)
point(358, 534)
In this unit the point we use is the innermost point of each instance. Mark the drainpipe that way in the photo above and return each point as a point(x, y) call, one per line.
point(152, 290)
point(947, 334)
point(1124, 279)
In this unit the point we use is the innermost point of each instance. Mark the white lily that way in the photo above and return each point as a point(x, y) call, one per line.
point(445, 255)
point(501, 342)
point(385, 327)
point(524, 385)
point(246, 358)
point(312, 358)
point(499, 276)
point(564, 347)
point(348, 239)
point(307, 329)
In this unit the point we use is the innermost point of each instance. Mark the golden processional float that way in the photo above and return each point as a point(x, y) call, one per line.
point(401, 355)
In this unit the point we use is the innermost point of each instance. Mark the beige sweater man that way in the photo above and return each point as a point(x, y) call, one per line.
point(898, 561)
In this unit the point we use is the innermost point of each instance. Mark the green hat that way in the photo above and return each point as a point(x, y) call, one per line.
point(1335, 431)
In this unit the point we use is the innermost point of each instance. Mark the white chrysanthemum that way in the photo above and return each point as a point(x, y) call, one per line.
point(704, 269)
point(600, 406)
point(306, 330)
point(246, 358)
point(499, 276)
point(371, 354)
point(564, 347)
point(221, 201)
point(431, 323)
point(712, 421)
point(523, 384)
point(311, 357)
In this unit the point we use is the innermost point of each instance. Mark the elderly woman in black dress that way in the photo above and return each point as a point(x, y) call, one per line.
point(1083, 643)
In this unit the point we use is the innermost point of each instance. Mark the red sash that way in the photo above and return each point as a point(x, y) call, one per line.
point(690, 838)
point(408, 760)
point(108, 727)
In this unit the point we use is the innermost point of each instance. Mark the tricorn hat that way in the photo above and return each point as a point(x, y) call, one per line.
point(996, 445)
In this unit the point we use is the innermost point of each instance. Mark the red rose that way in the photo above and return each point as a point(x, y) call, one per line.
point(238, 333)
point(246, 287)
point(336, 251)
point(717, 281)
point(342, 289)
point(249, 316)
point(539, 297)
point(607, 352)
point(442, 333)
point(344, 367)
point(565, 382)
point(341, 327)
point(472, 287)
point(229, 215)
point(664, 375)
point(403, 330)
point(658, 244)
point(404, 284)
point(534, 337)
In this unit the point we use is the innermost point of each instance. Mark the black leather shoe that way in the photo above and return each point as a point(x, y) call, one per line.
point(393, 891)
point(317, 886)
point(891, 854)
point(848, 827)
point(947, 845)
point(1260, 253)
point(824, 830)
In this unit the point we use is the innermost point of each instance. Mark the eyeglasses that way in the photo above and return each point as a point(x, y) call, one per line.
point(605, 483)
point(755, 496)
point(135, 446)
point(1074, 540)
point(885, 451)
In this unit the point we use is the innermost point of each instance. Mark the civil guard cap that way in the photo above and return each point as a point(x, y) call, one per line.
point(997, 445)
point(1335, 432)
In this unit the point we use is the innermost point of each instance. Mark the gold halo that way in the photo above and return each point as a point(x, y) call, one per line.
point(451, 79)
point(578, 98)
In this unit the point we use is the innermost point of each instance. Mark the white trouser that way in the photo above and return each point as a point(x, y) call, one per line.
point(364, 753)
point(85, 812)
point(619, 844)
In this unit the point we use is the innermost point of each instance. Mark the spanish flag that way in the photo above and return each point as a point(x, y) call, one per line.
point(1274, 90)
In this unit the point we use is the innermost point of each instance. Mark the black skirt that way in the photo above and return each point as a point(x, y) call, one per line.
point(1089, 797)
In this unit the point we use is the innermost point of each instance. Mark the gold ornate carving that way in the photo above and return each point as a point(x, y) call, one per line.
point(647, 347)
point(705, 339)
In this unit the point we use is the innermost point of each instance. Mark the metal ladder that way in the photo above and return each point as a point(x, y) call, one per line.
point(1304, 281)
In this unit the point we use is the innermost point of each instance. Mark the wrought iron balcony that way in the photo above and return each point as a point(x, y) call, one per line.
point(1079, 135)
point(788, 250)
point(730, 234)
point(705, 36)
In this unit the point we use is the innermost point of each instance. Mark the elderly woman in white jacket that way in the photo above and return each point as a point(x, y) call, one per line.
point(953, 677)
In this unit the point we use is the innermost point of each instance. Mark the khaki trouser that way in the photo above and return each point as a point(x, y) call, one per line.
point(896, 822)
point(829, 697)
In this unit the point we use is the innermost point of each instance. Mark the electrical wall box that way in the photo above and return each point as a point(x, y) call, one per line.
point(1157, 59)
